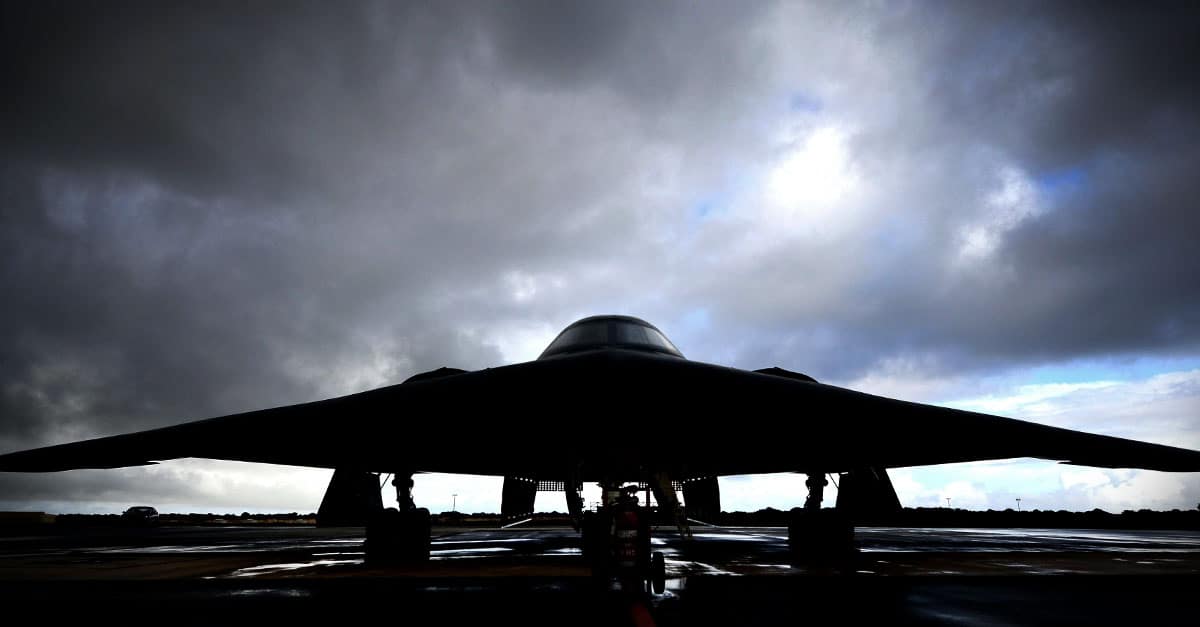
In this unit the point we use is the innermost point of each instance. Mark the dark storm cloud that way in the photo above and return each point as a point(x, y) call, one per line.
point(213, 99)
point(1099, 106)
point(209, 207)
point(1060, 83)
point(1106, 98)
point(154, 225)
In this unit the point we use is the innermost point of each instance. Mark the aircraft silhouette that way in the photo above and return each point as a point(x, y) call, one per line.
point(612, 401)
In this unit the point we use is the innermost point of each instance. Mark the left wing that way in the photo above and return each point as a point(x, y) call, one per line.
point(374, 430)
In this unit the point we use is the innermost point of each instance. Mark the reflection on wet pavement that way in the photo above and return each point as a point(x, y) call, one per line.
point(276, 569)
point(1031, 540)
point(724, 576)
point(764, 551)
point(291, 553)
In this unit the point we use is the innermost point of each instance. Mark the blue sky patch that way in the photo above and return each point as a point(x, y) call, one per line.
point(1066, 179)
point(804, 102)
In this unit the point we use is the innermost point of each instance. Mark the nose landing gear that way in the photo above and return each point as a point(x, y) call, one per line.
point(616, 541)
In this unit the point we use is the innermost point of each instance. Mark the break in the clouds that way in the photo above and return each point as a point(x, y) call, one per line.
point(208, 208)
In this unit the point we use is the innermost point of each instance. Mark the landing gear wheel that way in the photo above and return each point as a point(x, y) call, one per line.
point(595, 538)
point(658, 572)
point(417, 528)
point(395, 537)
point(820, 535)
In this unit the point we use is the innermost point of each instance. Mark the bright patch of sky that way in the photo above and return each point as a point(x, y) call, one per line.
point(1110, 369)
point(806, 184)
point(1028, 399)
point(1013, 199)
point(521, 342)
point(1162, 408)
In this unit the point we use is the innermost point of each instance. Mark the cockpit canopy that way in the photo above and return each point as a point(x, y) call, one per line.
point(610, 332)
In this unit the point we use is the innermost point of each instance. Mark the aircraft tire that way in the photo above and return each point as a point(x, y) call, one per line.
point(395, 537)
point(593, 537)
point(820, 535)
point(382, 545)
point(416, 529)
point(658, 572)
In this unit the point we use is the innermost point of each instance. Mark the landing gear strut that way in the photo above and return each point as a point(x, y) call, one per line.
point(399, 536)
point(815, 533)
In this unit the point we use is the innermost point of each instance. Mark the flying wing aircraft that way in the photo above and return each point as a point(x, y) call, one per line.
point(612, 401)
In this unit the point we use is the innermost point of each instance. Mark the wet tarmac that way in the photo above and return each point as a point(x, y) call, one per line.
point(537, 575)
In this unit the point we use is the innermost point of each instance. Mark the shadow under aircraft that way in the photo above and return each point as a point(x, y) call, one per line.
point(610, 401)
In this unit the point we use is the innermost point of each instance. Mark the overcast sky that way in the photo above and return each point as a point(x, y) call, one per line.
point(216, 207)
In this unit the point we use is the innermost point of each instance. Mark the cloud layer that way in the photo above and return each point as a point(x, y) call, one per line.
point(209, 208)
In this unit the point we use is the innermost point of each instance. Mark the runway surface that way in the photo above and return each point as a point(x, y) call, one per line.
point(537, 575)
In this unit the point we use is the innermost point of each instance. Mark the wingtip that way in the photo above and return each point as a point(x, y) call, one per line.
point(33, 461)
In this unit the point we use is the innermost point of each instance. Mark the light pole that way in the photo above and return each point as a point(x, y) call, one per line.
point(947, 502)
point(454, 502)
point(1018, 504)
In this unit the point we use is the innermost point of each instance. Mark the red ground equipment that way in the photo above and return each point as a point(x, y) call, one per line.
point(623, 548)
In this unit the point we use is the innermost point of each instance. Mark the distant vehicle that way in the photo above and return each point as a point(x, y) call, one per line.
point(140, 515)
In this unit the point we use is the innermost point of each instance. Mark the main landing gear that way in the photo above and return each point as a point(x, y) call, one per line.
point(399, 535)
point(819, 534)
